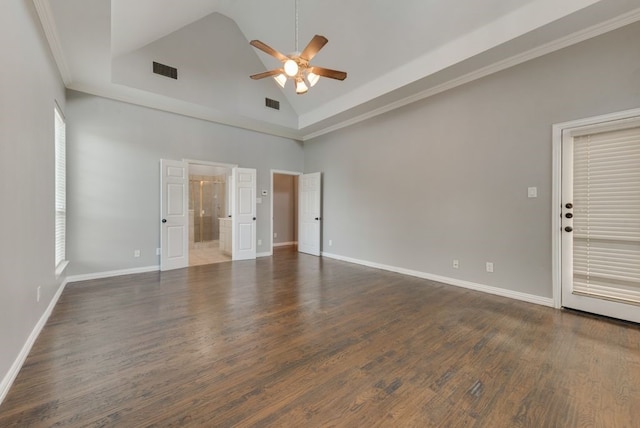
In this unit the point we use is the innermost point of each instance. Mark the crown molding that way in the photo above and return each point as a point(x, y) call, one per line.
point(572, 39)
point(43, 8)
point(45, 14)
point(156, 102)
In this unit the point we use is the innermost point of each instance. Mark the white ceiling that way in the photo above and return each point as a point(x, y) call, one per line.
point(395, 52)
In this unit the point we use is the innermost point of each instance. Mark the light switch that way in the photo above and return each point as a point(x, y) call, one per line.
point(258, 200)
point(532, 192)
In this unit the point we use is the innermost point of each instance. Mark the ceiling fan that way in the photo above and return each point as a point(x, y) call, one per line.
point(296, 65)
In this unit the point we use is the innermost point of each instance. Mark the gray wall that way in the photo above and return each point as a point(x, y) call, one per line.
point(446, 178)
point(114, 150)
point(285, 209)
point(441, 179)
point(29, 87)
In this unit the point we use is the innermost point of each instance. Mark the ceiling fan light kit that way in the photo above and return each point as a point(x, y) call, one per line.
point(281, 79)
point(291, 68)
point(296, 66)
point(301, 87)
point(312, 78)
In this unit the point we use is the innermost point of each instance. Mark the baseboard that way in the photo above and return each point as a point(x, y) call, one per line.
point(265, 254)
point(544, 301)
point(7, 381)
point(284, 244)
point(109, 274)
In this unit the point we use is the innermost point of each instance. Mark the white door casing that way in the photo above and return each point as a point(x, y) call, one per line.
point(309, 213)
point(566, 238)
point(595, 248)
point(174, 220)
point(243, 203)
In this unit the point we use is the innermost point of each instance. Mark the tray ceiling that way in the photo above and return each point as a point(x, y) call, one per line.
point(394, 52)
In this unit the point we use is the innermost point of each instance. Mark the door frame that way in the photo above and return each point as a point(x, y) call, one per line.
point(556, 198)
point(190, 162)
point(209, 163)
point(280, 172)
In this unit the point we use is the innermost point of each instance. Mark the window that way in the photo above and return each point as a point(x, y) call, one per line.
point(60, 188)
point(606, 227)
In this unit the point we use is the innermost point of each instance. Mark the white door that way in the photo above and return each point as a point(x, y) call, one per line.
point(243, 215)
point(309, 215)
point(601, 219)
point(174, 225)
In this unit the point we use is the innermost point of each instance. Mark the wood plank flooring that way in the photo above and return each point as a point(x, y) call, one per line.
point(299, 341)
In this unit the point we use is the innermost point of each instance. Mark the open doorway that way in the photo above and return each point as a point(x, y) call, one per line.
point(284, 210)
point(209, 212)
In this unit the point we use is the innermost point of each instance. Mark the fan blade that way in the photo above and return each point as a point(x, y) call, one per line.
point(267, 74)
point(313, 47)
point(268, 49)
point(327, 72)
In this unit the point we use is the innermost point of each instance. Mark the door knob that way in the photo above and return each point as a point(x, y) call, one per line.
point(568, 229)
point(164, 220)
point(254, 218)
point(569, 205)
point(568, 215)
point(317, 218)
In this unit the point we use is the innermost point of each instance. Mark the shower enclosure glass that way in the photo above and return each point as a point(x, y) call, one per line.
point(207, 200)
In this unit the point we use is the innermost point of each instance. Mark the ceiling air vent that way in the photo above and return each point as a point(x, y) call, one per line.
point(165, 70)
point(272, 103)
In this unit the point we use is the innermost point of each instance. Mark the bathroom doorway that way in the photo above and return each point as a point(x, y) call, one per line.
point(209, 213)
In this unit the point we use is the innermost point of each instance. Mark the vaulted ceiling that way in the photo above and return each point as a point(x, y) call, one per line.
point(395, 52)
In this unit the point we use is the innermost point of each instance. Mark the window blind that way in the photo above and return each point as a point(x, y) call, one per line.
point(606, 240)
point(60, 188)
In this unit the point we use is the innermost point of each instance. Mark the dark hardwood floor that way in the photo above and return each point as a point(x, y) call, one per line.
point(299, 341)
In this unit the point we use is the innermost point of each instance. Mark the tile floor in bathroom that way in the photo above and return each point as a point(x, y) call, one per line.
point(204, 255)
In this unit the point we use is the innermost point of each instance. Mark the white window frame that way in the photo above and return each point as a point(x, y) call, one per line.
point(60, 179)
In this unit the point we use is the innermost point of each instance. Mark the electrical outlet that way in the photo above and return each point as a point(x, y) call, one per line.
point(157, 251)
point(489, 267)
point(38, 294)
point(136, 253)
point(330, 242)
point(259, 241)
point(275, 234)
point(456, 264)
